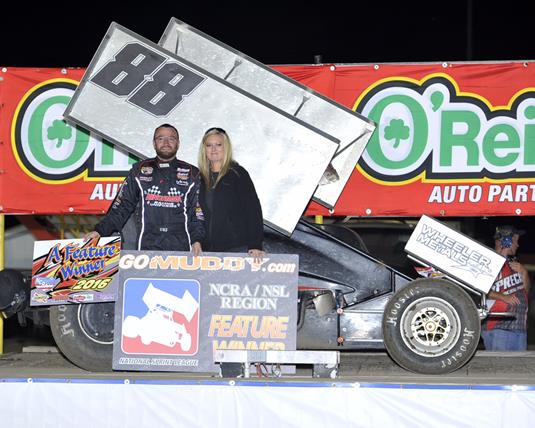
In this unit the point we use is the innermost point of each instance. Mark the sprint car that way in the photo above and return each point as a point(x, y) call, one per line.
point(348, 300)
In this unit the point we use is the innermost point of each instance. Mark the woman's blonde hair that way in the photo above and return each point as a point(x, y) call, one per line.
point(204, 163)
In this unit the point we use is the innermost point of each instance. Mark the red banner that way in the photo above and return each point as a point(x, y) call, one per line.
point(452, 140)
point(48, 166)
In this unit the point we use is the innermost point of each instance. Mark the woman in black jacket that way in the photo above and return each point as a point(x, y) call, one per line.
point(232, 211)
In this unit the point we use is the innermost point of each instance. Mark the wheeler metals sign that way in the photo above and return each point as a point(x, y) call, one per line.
point(174, 310)
point(132, 86)
point(454, 254)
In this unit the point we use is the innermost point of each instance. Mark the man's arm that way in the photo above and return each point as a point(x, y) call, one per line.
point(510, 299)
point(121, 208)
point(520, 268)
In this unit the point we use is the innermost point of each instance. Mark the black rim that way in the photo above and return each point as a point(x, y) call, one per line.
point(96, 321)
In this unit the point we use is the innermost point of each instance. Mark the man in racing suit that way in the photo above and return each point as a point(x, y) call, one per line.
point(163, 194)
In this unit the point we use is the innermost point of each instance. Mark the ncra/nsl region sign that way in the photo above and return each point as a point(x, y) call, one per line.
point(174, 310)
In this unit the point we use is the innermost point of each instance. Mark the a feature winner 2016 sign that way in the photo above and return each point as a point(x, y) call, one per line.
point(174, 310)
point(74, 271)
point(454, 254)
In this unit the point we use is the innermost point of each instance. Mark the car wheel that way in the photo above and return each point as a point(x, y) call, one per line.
point(431, 326)
point(84, 334)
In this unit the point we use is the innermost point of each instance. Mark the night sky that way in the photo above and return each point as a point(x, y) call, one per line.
point(67, 34)
point(60, 34)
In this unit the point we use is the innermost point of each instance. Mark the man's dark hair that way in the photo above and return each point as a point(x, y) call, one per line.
point(165, 125)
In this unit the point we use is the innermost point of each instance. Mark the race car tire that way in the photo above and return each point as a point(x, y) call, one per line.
point(431, 326)
point(84, 334)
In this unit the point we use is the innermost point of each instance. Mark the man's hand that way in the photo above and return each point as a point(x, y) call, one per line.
point(92, 235)
point(196, 249)
point(518, 267)
point(521, 269)
point(257, 254)
point(510, 299)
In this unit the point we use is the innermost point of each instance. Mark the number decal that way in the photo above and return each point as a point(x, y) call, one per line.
point(148, 80)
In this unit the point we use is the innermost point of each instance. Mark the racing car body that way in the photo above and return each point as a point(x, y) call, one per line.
point(347, 300)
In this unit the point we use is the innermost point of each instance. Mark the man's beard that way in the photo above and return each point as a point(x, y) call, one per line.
point(167, 154)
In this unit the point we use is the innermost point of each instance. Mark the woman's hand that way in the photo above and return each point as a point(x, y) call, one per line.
point(257, 254)
point(196, 249)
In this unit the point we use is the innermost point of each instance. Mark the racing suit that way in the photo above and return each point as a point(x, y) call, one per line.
point(164, 197)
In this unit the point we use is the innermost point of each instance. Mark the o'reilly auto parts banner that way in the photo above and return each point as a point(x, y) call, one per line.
point(452, 139)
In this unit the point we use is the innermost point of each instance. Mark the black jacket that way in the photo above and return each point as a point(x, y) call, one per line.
point(164, 197)
point(236, 218)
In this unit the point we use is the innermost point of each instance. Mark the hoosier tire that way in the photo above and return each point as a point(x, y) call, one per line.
point(84, 334)
point(431, 326)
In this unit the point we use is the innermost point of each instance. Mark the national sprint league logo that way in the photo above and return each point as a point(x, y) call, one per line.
point(160, 316)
